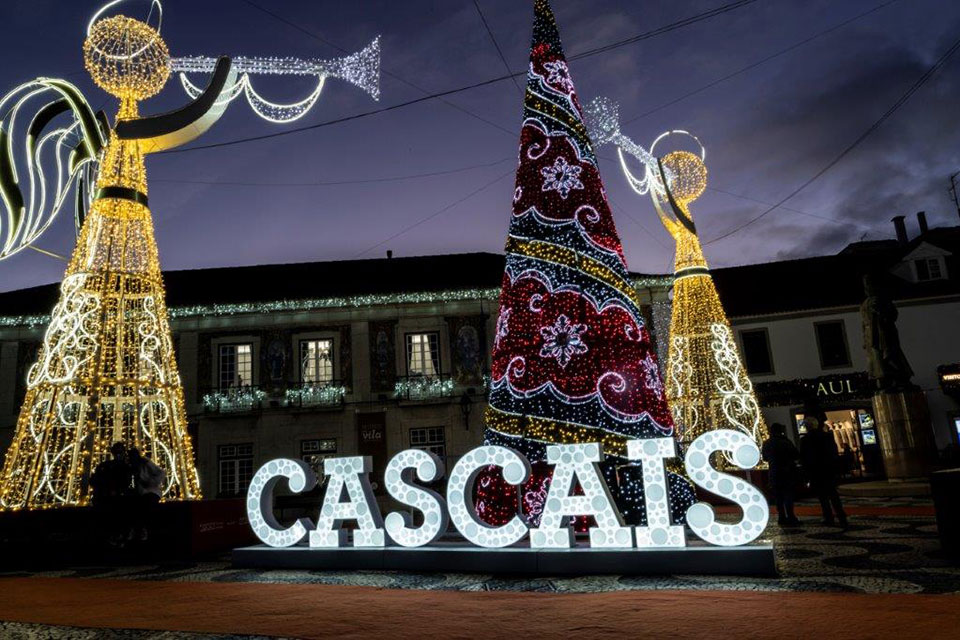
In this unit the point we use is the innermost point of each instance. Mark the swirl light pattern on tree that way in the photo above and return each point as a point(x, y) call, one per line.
point(573, 360)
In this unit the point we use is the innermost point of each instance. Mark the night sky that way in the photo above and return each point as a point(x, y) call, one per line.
point(345, 191)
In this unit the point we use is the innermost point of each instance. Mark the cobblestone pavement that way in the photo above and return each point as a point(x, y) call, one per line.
point(884, 554)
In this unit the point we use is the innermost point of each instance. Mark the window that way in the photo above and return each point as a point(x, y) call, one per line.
point(832, 343)
point(236, 468)
point(423, 354)
point(430, 439)
point(756, 351)
point(928, 269)
point(316, 361)
point(236, 365)
point(314, 452)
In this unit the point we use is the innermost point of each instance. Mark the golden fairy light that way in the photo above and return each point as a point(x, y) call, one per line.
point(106, 371)
point(707, 384)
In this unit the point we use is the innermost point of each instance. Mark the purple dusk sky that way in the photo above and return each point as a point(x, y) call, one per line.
point(345, 191)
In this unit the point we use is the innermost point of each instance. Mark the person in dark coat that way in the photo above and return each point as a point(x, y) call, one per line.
point(781, 456)
point(818, 453)
point(148, 482)
point(111, 480)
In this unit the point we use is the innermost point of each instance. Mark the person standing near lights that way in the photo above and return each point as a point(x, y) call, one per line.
point(818, 454)
point(782, 456)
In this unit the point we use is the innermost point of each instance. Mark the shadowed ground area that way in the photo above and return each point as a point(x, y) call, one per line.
point(883, 576)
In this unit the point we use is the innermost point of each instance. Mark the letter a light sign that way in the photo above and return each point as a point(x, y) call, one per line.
point(349, 499)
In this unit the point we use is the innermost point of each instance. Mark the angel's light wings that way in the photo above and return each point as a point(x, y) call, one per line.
point(50, 142)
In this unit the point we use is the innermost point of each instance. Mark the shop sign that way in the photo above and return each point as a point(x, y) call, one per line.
point(949, 375)
point(849, 386)
point(349, 497)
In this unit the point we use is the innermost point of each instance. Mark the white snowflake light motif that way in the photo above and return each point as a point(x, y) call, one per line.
point(559, 75)
point(503, 327)
point(563, 340)
point(562, 177)
point(651, 376)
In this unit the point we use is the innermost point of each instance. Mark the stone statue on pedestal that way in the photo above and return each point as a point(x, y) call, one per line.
point(887, 365)
point(900, 407)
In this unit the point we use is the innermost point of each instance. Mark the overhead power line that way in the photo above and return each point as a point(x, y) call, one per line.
point(332, 183)
point(762, 61)
point(386, 72)
point(442, 94)
point(436, 213)
point(922, 80)
point(664, 29)
point(496, 46)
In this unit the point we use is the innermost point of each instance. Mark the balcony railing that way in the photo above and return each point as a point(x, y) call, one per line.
point(424, 387)
point(234, 399)
point(315, 394)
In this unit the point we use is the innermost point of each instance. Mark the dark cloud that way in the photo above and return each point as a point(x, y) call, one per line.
point(767, 130)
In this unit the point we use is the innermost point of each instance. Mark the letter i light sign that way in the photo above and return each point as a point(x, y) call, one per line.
point(349, 499)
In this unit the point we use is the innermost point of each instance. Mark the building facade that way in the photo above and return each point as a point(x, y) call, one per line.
point(376, 356)
point(801, 331)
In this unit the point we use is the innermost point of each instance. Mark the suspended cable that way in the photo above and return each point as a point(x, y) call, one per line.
point(436, 213)
point(922, 80)
point(287, 132)
point(331, 183)
point(496, 46)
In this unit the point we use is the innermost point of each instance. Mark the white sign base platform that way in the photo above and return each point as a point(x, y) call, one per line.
point(755, 559)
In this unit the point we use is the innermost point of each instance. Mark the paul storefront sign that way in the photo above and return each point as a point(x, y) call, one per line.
point(349, 497)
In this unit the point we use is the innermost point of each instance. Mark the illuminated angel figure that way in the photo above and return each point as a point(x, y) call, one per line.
point(707, 384)
point(105, 371)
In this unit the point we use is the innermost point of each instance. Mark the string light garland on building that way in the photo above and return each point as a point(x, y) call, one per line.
point(573, 360)
point(707, 384)
point(105, 371)
point(318, 304)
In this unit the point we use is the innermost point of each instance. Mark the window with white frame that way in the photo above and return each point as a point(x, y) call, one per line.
point(423, 354)
point(928, 269)
point(236, 468)
point(432, 439)
point(236, 365)
point(315, 451)
point(316, 361)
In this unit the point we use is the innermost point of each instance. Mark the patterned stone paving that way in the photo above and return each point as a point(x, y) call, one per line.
point(885, 554)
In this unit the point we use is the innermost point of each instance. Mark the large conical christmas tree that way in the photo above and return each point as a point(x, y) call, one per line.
point(106, 372)
point(572, 359)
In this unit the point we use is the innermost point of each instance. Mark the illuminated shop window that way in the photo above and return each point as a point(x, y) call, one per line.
point(423, 354)
point(832, 343)
point(236, 365)
point(236, 468)
point(431, 439)
point(316, 361)
point(756, 351)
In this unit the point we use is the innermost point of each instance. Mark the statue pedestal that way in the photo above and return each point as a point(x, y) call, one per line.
point(905, 434)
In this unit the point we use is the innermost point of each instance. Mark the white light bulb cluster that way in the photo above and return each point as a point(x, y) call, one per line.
point(361, 69)
point(351, 474)
point(578, 463)
point(701, 517)
point(36, 197)
point(398, 479)
point(574, 465)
